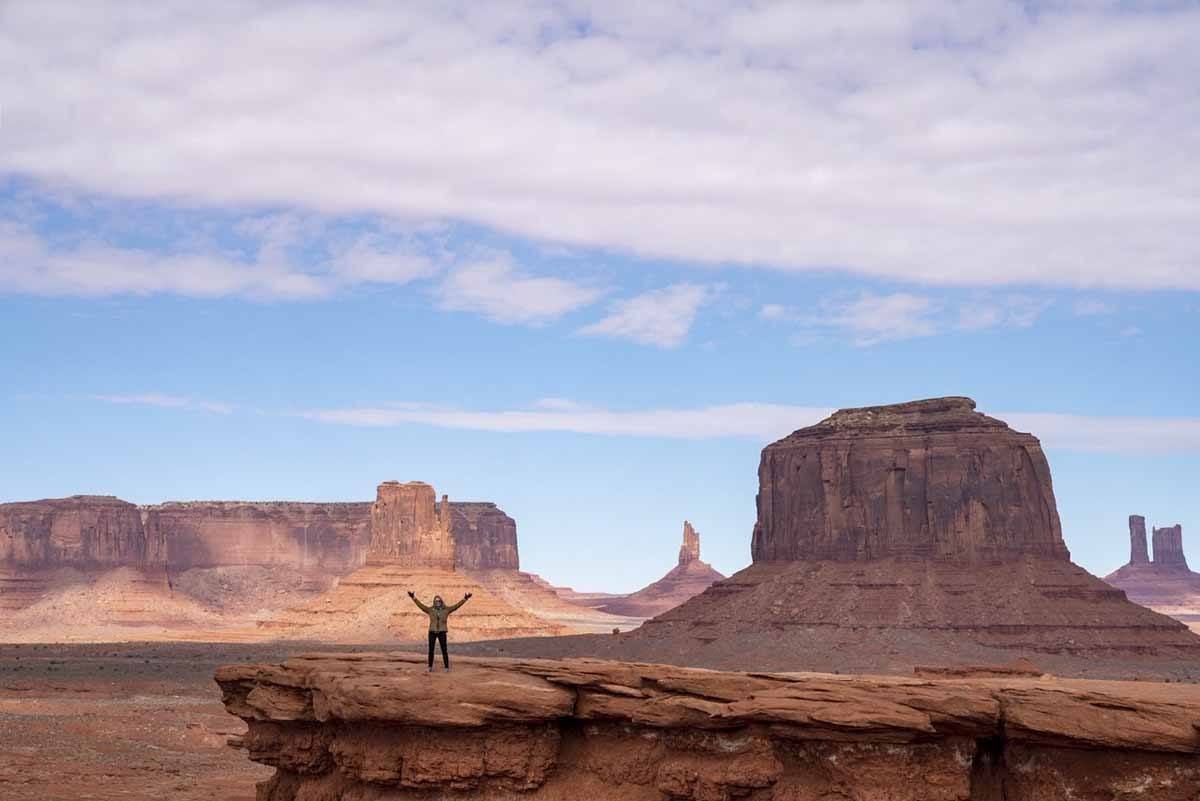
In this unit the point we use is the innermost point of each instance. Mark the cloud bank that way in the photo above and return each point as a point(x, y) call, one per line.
point(977, 143)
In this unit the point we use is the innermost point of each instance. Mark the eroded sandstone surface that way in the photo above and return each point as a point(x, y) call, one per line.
point(376, 726)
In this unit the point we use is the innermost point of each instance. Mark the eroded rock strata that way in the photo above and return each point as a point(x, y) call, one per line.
point(376, 726)
point(931, 479)
point(238, 557)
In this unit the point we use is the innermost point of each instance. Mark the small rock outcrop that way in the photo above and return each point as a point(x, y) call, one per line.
point(374, 725)
point(931, 479)
point(687, 579)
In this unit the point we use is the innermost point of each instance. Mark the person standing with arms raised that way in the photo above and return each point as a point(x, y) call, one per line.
point(439, 615)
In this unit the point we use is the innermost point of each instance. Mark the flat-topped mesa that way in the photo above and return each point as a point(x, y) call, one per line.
point(1138, 555)
point(929, 479)
point(689, 551)
point(80, 531)
point(409, 528)
point(1168, 547)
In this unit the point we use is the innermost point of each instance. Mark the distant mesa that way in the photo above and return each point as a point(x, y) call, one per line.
point(688, 578)
point(218, 566)
point(888, 537)
point(1164, 582)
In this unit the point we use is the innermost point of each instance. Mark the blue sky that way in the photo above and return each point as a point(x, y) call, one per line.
point(586, 262)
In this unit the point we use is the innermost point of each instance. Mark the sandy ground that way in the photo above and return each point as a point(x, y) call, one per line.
point(124, 722)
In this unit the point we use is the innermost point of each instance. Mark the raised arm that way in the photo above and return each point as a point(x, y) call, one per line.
point(413, 595)
point(466, 598)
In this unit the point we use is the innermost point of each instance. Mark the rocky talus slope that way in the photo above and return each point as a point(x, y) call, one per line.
point(376, 726)
point(687, 579)
point(892, 536)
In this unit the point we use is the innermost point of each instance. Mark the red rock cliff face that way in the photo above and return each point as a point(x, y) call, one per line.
point(931, 478)
point(376, 726)
point(409, 528)
point(326, 537)
point(80, 531)
point(485, 538)
point(330, 538)
point(1168, 547)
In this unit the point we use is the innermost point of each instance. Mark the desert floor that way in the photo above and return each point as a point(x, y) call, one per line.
point(124, 722)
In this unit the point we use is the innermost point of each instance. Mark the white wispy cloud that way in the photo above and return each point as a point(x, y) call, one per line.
point(765, 422)
point(494, 287)
point(755, 420)
point(661, 317)
point(870, 319)
point(924, 142)
point(1089, 307)
point(167, 402)
point(28, 263)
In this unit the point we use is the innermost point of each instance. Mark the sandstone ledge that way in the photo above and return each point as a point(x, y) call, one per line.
point(377, 726)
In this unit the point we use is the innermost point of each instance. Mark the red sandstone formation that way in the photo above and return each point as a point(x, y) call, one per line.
point(688, 578)
point(485, 538)
point(412, 549)
point(1138, 555)
point(376, 726)
point(1168, 547)
point(84, 531)
point(237, 557)
point(1164, 584)
point(892, 536)
point(929, 479)
point(408, 528)
point(329, 538)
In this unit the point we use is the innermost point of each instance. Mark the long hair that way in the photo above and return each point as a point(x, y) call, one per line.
point(437, 601)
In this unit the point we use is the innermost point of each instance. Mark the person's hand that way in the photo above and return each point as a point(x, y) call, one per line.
point(412, 594)
point(468, 595)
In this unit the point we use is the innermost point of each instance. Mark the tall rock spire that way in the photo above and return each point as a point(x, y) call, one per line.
point(690, 550)
point(406, 528)
point(1138, 555)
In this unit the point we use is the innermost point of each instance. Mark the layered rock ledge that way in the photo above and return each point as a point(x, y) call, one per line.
point(377, 726)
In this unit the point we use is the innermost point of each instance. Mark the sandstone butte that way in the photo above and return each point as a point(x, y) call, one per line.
point(894, 536)
point(376, 726)
point(1164, 583)
point(95, 566)
point(688, 578)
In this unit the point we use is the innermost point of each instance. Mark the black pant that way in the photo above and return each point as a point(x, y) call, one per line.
point(438, 636)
